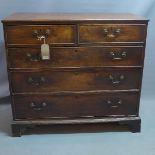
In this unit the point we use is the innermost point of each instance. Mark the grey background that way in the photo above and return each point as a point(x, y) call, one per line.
point(140, 7)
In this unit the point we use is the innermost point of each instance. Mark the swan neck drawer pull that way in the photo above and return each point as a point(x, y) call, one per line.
point(36, 81)
point(38, 107)
point(111, 33)
point(115, 104)
point(116, 79)
point(41, 34)
point(32, 57)
point(118, 55)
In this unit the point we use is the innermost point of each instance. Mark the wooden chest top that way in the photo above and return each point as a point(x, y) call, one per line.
point(46, 17)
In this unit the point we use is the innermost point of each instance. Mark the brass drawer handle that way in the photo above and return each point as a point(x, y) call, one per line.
point(36, 81)
point(38, 107)
point(41, 34)
point(111, 33)
point(116, 79)
point(32, 57)
point(115, 104)
point(118, 55)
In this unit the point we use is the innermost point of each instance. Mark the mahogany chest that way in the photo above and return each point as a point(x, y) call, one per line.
point(89, 73)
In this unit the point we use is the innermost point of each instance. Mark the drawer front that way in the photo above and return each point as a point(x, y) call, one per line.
point(46, 106)
point(53, 81)
point(76, 57)
point(111, 33)
point(29, 35)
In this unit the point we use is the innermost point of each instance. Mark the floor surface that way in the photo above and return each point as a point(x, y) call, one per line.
point(106, 143)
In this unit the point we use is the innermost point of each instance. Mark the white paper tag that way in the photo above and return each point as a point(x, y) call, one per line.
point(45, 52)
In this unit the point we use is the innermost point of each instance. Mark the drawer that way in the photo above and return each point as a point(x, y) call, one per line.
point(76, 57)
point(111, 33)
point(76, 80)
point(77, 105)
point(29, 35)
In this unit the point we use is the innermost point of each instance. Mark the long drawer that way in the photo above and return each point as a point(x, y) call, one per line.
point(76, 57)
point(75, 80)
point(100, 33)
point(79, 105)
point(30, 34)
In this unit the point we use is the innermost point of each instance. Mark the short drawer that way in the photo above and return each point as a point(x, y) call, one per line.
point(76, 105)
point(111, 33)
point(76, 80)
point(30, 34)
point(76, 57)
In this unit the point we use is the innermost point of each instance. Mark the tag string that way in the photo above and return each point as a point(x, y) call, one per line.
point(44, 40)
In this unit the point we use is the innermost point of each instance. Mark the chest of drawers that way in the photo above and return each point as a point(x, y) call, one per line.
point(93, 74)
